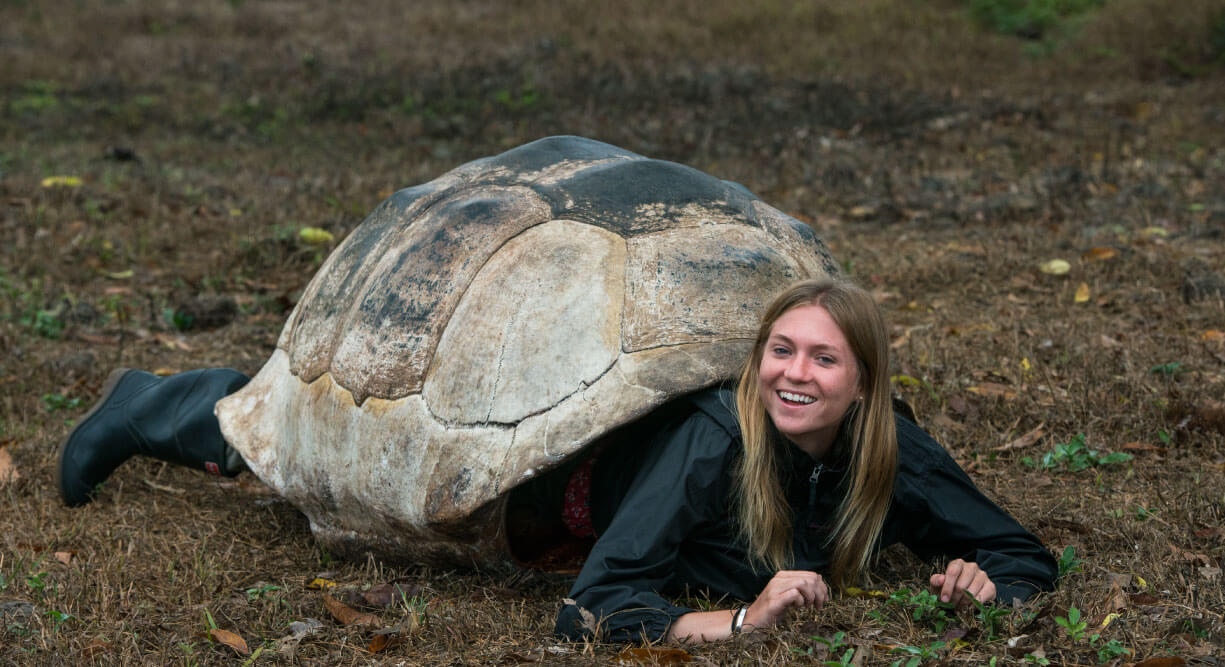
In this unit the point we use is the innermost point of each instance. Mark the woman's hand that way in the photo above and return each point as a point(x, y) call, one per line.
point(962, 581)
point(787, 589)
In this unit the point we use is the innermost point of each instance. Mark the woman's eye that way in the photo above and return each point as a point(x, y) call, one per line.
point(779, 351)
point(826, 359)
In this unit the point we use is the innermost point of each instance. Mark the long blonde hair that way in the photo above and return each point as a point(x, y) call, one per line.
point(763, 513)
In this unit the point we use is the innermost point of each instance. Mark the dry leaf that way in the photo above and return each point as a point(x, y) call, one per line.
point(1162, 662)
point(1082, 293)
point(589, 622)
point(1055, 267)
point(1025, 440)
point(650, 655)
point(8, 469)
point(230, 639)
point(1143, 447)
point(64, 557)
point(1098, 254)
point(321, 584)
point(1209, 572)
point(521, 658)
point(385, 595)
point(993, 389)
point(1215, 531)
point(1212, 335)
point(348, 615)
point(94, 648)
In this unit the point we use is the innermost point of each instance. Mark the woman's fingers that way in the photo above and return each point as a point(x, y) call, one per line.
point(962, 581)
point(788, 588)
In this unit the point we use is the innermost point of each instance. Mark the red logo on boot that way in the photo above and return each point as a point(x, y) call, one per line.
point(212, 468)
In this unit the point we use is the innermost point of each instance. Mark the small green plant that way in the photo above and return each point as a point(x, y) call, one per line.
point(924, 606)
point(1109, 650)
point(414, 606)
point(57, 401)
point(1031, 19)
point(1165, 437)
point(1068, 562)
point(990, 616)
point(178, 319)
point(1036, 659)
point(1073, 625)
point(1144, 513)
point(45, 323)
point(260, 591)
point(57, 618)
point(1169, 370)
point(1073, 455)
point(834, 645)
point(918, 654)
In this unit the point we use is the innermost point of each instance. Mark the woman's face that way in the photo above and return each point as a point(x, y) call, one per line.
point(808, 377)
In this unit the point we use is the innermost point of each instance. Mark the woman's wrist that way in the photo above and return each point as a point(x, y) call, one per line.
point(738, 615)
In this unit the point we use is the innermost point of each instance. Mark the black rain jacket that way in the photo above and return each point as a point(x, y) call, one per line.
point(663, 510)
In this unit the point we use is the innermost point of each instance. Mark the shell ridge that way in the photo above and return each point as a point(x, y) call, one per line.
point(339, 326)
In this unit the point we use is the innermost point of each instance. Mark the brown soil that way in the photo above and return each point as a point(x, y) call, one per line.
point(944, 165)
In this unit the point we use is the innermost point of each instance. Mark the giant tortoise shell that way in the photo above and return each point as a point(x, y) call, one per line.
point(476, 331)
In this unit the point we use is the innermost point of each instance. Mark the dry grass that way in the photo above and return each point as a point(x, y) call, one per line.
point(943, 165)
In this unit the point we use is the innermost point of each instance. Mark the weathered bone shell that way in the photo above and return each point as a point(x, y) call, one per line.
point(477, 330)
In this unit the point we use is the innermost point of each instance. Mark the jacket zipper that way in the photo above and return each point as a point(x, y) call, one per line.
point(812, 488)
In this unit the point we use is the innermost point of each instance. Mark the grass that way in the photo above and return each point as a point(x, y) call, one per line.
point(944, 164)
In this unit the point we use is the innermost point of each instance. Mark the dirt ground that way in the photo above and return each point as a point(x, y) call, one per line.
point(158, 160)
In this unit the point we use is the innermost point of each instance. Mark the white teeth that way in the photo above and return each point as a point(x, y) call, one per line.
point(796, 398)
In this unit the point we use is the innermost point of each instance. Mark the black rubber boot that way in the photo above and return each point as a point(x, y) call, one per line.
point(170, 419)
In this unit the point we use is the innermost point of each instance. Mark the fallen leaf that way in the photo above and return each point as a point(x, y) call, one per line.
point(1155, 231)
point(1210, 573)
point(348, 615)
point(385, 595)
point(993, 389)
point(315, 236)
point(61, 181)
point(1055, 267)
point(1212, 335)
point(8, 469)
point(1024, 441)
point(172, 342)
point(1144, 447)
point(859, 592)
point(297, 630)
point(386, 638)
point(64, 557)
point(1162, 662)
point(862, 212)
point(94, 648)
point(651, 655)
point(1215, 531)
point(1143, 598)
point(96, 339)
point(121, 275)
point(321, 584)
point(1082, 293)
point(521, 658)
point(589, 622)
point(230, 639)
point(1098, 254)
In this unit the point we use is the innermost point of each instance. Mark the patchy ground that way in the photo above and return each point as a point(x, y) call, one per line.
point(159, 160)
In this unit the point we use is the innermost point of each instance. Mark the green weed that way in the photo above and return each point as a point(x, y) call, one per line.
point(57, 401)
point(990, 616)
point(1031, 19)
point(1075, 456)
point(1073, 624)
point(1068, 562)
point(918, 654)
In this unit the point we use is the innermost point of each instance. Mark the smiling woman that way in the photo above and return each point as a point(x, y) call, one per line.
point(803, 474)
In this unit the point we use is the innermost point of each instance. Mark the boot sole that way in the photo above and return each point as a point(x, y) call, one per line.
point(112, 381)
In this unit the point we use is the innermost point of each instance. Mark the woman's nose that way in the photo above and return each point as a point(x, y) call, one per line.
point(798, 369)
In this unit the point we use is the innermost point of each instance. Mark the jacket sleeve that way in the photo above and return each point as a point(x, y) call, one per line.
point(678, 488)
point(943, 514)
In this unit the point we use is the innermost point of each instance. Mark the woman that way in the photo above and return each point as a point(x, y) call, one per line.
point(805, 477)
point(803, 474)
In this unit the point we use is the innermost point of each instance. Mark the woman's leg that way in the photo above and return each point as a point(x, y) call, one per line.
point(167, 418)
